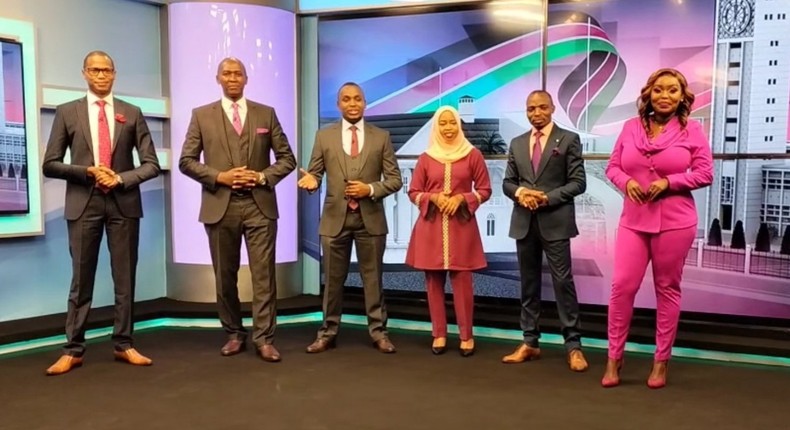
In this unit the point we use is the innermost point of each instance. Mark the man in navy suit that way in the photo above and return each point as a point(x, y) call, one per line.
point(101, 133)
point(545, 172)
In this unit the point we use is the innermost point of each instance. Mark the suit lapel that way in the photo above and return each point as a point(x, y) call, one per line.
point(82, 118)
point(363, 155)
point(120, 111)
point(551, 143)
point(219, 115)
point(250, 128)
point(337, 146)
point(526, 149)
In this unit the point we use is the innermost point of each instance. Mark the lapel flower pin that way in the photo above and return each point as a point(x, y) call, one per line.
point(120, 118)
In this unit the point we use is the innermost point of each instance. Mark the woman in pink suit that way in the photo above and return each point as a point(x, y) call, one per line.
point(659, 158)
point(449, 183)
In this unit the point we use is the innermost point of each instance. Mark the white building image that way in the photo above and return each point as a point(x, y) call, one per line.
point(750, 107)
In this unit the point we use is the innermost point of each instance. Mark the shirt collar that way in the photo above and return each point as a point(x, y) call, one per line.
point(546, 130)
point(227, 103)
point(93, 98)
point(360, 124)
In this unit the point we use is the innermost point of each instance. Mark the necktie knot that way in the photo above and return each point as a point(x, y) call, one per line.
point(235, 106)
point(538, 134)
point(353, 128)
point(101, 103)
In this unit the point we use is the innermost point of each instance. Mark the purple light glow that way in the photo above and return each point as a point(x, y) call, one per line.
point(264, 39)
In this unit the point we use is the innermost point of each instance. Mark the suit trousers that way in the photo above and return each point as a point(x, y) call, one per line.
point(633, 250)
point(244, 219)
point(463, 300)
point(85, 237)
point(530, 251)
point(337, 258)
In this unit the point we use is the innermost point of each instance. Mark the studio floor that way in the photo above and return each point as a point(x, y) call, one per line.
point(191, 386)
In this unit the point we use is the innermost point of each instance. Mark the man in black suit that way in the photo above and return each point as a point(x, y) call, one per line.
point(102, 194)
point(236, 137)
point(361, 170)
point(545, 172)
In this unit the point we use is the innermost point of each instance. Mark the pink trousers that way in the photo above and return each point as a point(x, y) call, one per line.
point(463, 299)
point(667, 251)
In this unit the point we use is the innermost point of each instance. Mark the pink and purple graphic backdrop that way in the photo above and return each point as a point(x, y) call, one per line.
point(264, 39)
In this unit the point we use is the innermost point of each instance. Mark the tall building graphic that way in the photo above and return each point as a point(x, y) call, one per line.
point(750, 115)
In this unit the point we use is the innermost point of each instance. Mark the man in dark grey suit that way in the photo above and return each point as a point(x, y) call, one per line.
point(545, 172)
point(102, 193)
point(361, 170)
point(236, 137)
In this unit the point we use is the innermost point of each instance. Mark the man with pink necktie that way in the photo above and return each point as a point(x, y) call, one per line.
point(101, 134)
point(236, 137)
point(545, 172)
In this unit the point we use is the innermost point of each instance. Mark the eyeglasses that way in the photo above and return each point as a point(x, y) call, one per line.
point(95, 72)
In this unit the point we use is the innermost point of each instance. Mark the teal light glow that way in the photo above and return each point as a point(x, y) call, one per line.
point(31, 223)
point(419, 326)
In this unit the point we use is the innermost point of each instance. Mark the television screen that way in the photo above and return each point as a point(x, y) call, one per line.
point(14, 197)
point(593, 57)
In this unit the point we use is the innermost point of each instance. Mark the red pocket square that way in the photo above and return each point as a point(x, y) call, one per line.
point(261, 130)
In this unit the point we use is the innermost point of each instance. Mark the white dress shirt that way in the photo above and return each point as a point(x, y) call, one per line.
point(227, 106)
point(347, 135)
point(93, 119)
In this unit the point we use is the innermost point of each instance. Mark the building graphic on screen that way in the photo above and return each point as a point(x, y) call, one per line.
point(13, 159)
point(750, 115)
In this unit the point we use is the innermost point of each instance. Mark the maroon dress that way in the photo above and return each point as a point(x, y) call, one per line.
point(440, 242)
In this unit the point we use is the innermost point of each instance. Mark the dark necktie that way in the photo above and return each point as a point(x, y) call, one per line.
point(536, 151)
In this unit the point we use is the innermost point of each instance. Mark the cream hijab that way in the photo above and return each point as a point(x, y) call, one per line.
point(439, 148)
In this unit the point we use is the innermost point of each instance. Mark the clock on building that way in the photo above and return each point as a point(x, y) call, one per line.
point(735, 17)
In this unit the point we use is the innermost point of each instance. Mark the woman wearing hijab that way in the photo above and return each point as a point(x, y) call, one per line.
point(449, 183)
point(659, 158)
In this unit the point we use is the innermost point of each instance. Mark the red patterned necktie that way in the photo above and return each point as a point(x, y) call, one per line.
point(105, 144)
point(353, 204)
point(536, 152)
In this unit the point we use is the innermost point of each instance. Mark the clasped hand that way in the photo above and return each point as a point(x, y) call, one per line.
point(446, 203)
point(104, 176)
point(639, 196)
point(307, 181)
point(238, 178)
point(533, 199)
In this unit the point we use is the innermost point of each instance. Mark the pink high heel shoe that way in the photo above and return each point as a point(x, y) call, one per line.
point(609, 380)
point(658, 375)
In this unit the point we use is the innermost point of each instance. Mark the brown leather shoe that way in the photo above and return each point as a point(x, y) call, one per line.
point(576, 361)
point(523, 353)
point(133, 357)
point(269, 353)
point(385, 345)
point(233, 347)
point(64, 364)
point(320, 345)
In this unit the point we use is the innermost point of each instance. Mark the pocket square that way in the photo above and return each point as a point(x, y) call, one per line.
point(261, 130)
point(556, 152)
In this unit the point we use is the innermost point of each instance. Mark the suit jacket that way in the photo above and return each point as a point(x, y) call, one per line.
point(206, 134)
point(71, 131)
point(681, 155)
point(378, 167)
point(560, 175)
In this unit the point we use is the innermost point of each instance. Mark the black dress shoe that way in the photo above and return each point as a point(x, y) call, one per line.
point(384, 345)
point(438, 350)
point(269, 353)
point(320, 345)
point(467, 352)
point(233, 347)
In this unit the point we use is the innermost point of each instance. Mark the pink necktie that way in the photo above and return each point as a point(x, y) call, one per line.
point(236, 118)
point(105, 145)
point(352, 203)
point(536, 152)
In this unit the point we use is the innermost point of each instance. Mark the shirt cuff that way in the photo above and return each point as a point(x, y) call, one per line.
point(519, 190)
point(372, 192)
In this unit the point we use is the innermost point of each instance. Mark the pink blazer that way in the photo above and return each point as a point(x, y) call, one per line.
point(682, 156)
